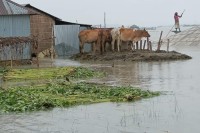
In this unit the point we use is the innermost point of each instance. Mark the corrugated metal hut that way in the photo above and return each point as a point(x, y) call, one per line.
point(47, 27)
point(25, 21)
point(66, 38)
point(14, 24)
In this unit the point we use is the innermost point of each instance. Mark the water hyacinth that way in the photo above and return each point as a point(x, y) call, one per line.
point(62, 93)
point(49, 73)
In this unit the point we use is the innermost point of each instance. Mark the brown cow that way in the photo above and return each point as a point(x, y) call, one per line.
point(130, 35)
point(88, 36)
point(98, 37)
point(105, 37)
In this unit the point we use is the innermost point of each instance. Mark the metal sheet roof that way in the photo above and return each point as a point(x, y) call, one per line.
point(188, 37)
point(8, 7)
point(58, 21)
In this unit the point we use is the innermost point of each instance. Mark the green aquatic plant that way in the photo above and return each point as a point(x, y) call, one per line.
point(82, 72)
point(61, 93)
point(65, 94)
point(49, 73)
point(2, 70)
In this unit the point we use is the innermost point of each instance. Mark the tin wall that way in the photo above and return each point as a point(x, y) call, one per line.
point(14, 25)
point(15, 52)
point(66, 41)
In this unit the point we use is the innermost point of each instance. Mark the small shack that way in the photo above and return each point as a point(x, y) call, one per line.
point(55, 34)
point(25, 21)
point(15, 40)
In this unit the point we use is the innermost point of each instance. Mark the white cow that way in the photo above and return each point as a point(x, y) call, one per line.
point(115, 38)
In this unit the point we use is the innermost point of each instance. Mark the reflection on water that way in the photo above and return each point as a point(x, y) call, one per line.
point(177, 111)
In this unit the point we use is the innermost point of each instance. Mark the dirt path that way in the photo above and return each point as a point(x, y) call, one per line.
point(132, 56)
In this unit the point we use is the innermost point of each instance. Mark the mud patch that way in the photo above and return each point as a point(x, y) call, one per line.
point(132, 56)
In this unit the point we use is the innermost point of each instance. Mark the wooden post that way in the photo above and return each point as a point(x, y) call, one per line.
point(144, 44)
point(36, 44)
point(148, 44)
point(167, 45)
point(11, 56)
point(51, 55)
point(159, 42)
point(52, 46)
point(140, 44)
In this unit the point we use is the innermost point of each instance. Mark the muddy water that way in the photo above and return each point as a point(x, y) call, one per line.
point(176, 111)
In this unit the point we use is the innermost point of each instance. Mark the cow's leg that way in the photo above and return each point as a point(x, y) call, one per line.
point(137, 45)
point(113, 45)
point(130, 45)
point(101, 47)
point(94, 47)
point(140, 44)
point(104, 46)
point(81, 47)
point(133, 46)
point(118, 43)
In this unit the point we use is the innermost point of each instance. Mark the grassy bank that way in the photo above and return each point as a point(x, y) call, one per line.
point(62, 93)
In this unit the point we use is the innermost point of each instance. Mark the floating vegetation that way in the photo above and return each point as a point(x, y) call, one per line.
point(49, 73)
point(61, 93)
point(65, 94)
point(2, 70)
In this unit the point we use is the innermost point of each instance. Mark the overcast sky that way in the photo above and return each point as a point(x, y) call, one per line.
point(120, 12)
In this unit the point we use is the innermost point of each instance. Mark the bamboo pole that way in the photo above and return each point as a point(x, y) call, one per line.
point(11, 56)
point(148, 48)
point(159, 42)
point(144, 44)
point(140, 44)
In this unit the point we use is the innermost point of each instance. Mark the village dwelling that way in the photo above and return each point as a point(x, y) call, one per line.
point(53, 33)
point(27, 21)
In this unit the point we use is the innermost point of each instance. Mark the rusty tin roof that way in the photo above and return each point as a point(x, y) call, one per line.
point(8, 7)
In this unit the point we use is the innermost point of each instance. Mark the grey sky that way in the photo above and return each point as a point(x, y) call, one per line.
point(121, 12)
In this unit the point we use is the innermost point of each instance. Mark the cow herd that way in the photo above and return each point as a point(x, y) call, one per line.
point(114, 37)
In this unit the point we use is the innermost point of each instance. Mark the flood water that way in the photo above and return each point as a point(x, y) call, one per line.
point(175, 111)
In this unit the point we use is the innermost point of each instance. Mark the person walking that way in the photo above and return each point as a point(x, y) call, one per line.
point(176, 18)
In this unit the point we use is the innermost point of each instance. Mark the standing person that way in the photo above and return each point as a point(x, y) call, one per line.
point(176, 18)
